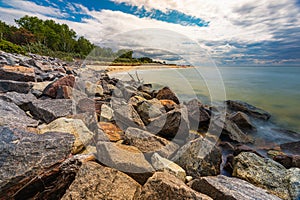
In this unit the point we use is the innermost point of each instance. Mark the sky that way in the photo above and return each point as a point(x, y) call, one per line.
point(231, 32)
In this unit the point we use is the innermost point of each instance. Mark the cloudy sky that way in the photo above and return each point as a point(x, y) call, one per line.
point(231, 32)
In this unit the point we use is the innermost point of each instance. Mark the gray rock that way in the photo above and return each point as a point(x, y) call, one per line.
point(249, 109)
point(221, 187)
point(198, 115)
point(293, 185)
point(172, 124)
point(50, 109)
point(149, 143)
point(199, 157)
point(107, 113)
point(149, 109)
point(94, 181)
point(9, 86)
point(166, 186)
point(26, 158)
point(20, 99)
point(13, 116)
point(267, 174)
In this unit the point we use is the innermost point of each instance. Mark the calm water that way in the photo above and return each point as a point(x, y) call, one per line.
point(275, 89)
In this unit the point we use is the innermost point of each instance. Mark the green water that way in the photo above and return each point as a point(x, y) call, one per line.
point(274, 89)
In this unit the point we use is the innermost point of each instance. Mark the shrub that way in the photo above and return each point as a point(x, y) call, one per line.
point(10, 47)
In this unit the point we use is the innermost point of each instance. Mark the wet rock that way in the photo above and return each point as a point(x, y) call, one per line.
point(83, 136)
point(244, 148)
point(265, 173)
point(162, 164)
point(199, 157)
point(168, 94)
point(94, 181)
point(51, 89)
point(288, 161)
point(228, 166)
point(122, 157)
point(50, 109)
point(150, 109)
point(242, 121)
point(221, 187)
point(166, 186)
point(113, 132)
point(172, 124)
point(126, 116)
point(10, 86)
point(17, 73)
point(148, 143)
point(291, 147)
point(249, 109)
point(20, 99)
point(198, 115)
point(27, 159)
point(13, 116)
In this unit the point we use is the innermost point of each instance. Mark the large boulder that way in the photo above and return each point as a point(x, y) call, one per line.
point(20, 99)
point(149, 143)
point(13, 116)
point(166, 186)
point(198, 115)
point(76, 127)
point(20, 87)
point(150, 109)
point(247, 108)
point(162, 164)
point(50, 109)
point(267, 174)
point(17, 73)
point(199, 157)
point(24, 159)
point(122, 157)
point(52, 88)
point(126, 116)
point(168, 94)
point(242, 121)
point(221, 187)
point(94, 181)
point(174, 123)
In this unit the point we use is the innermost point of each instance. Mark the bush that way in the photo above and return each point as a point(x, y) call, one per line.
point(10, 47)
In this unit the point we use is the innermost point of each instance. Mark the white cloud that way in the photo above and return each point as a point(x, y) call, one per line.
point(34, 9)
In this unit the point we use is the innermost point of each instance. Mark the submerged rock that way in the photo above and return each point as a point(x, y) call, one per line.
point(267, 174)
point(27, 159)
point(166, 186)
point(199, 157)
point(221, 187)
point(50, 109)
point(291, 147)
point(249, 109)
point(94, 181)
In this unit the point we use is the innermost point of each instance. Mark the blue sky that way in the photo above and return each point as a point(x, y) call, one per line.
point(244, 32)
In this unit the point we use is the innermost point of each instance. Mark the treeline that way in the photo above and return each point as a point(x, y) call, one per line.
point(46, 37)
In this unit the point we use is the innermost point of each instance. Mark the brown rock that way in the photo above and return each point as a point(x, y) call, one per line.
point(168, 94)
point(94, 181)
point(51, 89)
point(168, 104)
point(291, 147)
point(113, 132)
point(163, 185)
point(17, 73)
point(242, 121)
point(222, 187)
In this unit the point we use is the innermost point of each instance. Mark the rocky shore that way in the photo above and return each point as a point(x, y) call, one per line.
point(69, 132)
